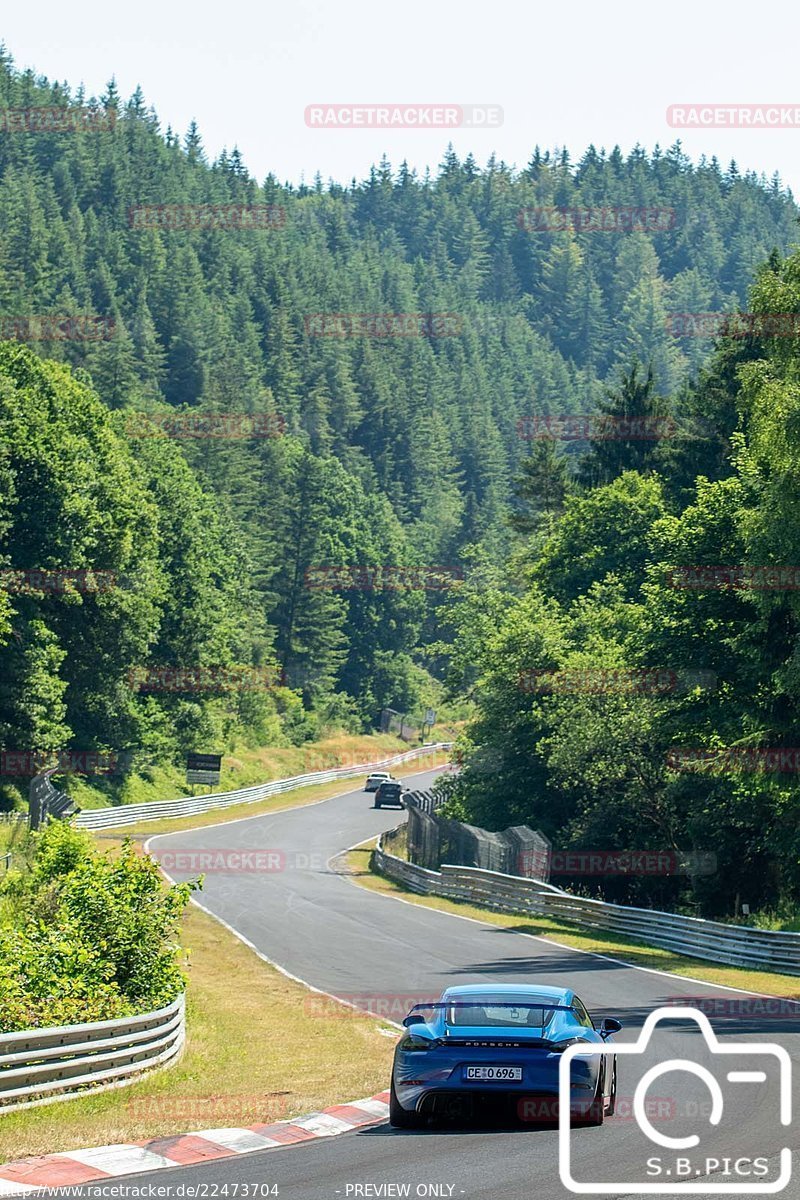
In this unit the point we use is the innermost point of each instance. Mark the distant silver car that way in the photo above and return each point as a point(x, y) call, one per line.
point(375, 780)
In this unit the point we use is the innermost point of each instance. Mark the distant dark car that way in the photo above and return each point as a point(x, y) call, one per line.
point(390, 792)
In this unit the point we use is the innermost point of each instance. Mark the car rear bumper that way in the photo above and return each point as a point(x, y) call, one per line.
point(532, 1108)
point(440, 1084)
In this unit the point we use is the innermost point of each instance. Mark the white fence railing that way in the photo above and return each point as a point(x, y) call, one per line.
point(129, 814)
point(59, 1063)
point(737, 945)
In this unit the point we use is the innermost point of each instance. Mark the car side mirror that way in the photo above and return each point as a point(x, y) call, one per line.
point(413, 1019)
point(610, 1025)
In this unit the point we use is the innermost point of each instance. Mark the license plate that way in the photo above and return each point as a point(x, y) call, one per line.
point(494, 1074)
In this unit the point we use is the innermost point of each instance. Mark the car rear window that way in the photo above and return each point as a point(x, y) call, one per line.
point(499, 1013)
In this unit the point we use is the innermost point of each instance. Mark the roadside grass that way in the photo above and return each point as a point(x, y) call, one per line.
point(16, 840)
point(399, 844)
point(293, 799)
point(627, 949)
point(242, 766)
point(260, 1048)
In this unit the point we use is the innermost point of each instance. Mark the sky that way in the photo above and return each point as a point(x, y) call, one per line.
point(557, 74)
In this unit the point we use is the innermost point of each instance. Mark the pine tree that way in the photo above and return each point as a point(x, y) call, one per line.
point(540, 489)
point(629, 424)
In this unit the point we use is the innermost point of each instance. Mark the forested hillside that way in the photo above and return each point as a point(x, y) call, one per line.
point(636, 671)
point(400, 451)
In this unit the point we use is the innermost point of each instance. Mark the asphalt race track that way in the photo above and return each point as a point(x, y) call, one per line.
point(346, 940)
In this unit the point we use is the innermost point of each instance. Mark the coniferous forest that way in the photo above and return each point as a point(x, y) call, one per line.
point(395, 453)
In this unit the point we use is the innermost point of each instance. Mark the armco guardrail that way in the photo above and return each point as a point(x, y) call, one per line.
point(60, 1063)
point(433, 839)
point(129, 814)
point(425, 801)
point(45, 801)
point(737, 945)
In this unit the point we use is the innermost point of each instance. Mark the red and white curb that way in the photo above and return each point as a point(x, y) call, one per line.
point(107, 1162)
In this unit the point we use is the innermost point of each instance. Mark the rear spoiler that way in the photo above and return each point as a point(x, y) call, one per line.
point(488, 1002)
point(439, 1004)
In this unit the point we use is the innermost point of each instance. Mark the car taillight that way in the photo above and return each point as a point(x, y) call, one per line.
point(560, 1047)
point(410, 1042)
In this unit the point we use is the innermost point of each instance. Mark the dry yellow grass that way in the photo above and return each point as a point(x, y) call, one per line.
point(260, 1048)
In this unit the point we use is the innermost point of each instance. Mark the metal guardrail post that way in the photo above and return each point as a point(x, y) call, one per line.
point(44, 800)
point(35, 802)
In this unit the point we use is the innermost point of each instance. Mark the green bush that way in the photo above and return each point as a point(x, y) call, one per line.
point(98, 939)
point(60, 849)
point(50, 976)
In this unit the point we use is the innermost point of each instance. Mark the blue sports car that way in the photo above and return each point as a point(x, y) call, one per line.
point(497, 1046)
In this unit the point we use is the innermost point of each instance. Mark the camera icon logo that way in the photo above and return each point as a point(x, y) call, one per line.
point(684, 1176)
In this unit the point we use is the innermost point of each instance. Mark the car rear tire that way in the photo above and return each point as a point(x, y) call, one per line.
point(377, 804)
point(399, 1117)
point(595, 1114)
point(612, 1099)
